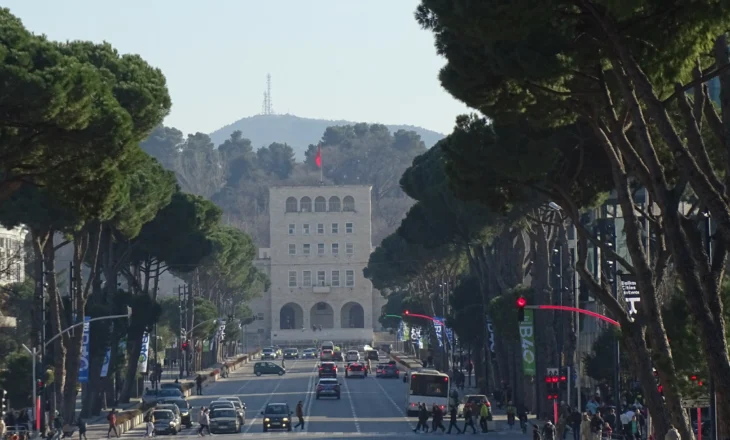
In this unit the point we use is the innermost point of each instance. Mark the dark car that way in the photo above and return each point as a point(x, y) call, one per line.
point(328, 388)
point(390, 370)
point(166, 422)
point(260, 368)
point(185, 411)
point(328, 369)
point(224, 420)
point(372, 355)
point(277, 416)
point(174, 385)
point(337, 355)
point(291, 353)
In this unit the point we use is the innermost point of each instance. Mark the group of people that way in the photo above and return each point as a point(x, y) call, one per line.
point(597, 424)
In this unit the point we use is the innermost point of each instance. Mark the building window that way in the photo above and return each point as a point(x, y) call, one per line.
point(291, 205)
point(350, 278)
point(292, 229)
point(334, 204)
point(320, 204)
point(321, 278)
point(348, 228)
point(348, 204)
point(305, 229)
point(320, 228)
point(320, 248)
point(292, 249)
point(260, 316)
point(349, 248)
point(335, 278)
point(306, 249)
point(305, 204)
point(335, 248)
point(307, 278)
point(292, 278)
point(335, 228)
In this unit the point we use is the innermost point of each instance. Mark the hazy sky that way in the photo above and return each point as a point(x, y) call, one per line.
point(364, 60)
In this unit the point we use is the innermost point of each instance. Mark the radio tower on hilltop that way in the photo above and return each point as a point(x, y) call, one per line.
point(267, 108)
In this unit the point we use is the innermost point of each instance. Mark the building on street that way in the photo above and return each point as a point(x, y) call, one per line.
point(12, 255)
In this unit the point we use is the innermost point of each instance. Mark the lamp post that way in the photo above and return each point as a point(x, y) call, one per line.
point(713, 396)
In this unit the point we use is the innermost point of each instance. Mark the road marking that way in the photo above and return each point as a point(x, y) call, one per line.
point(273, 393)
point(397, 407)
point(352, 406)
point(309, 397)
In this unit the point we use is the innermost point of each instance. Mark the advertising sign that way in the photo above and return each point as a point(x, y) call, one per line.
point(438, 325)
point(527, 335)
point(490, 328)
point(631, 293)
point(144, 353)
point(84, 366)
point(107, 359)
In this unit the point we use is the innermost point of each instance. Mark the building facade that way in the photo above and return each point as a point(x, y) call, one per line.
point(12, 255)
point(320, 242)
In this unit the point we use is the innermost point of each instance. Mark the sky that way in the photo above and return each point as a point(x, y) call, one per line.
point(363, 61)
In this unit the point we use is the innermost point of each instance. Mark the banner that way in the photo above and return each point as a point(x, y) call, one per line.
point(84, 366)
point(527, 335)
point(449, 335)
point(438, 325)
point(631, 293)
point(406, 332)
point(401, 333)
point(144, 353)
point(107, 359)
point(490, 329)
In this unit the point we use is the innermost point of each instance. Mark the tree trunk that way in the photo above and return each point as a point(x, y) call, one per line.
point(134, 348)
point(55, 317)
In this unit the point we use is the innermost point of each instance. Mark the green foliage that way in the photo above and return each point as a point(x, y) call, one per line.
point(17, 378)
point(599, 363)
point(17, 300)
point(277, 159)
point(466, 316)
point(205, 310)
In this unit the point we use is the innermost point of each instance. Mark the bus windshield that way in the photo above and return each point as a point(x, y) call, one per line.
point(429, 385)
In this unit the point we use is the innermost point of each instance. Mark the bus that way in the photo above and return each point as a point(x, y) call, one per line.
point(429, 387)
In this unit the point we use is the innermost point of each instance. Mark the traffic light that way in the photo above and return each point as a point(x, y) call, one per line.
point(695, 378)
point(4, 402)
point(406, 312)
point(521, 303)
point(39, 387)
point(563, 379)
point(185, 346)
point(552, 383)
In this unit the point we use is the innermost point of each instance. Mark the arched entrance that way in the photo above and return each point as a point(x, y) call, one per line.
point(291, 316)
point(352, 315)
point(322, 315)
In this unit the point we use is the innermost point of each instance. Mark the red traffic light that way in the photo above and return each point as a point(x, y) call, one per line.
point(693, 378)
point(550, 397)
point(406, 312)
point(547, 379)
point(554, 379)
point(699, 383)
point(521, 302)
point(563, 378)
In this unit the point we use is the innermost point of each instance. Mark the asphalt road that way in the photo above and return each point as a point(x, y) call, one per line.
point(369, 407)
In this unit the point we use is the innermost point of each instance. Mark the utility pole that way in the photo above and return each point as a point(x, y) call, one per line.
point(561, 326)
point(713, 396)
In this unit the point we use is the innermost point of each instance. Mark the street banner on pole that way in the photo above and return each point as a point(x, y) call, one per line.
point(438, 325)
point(84, 365)
point(144, 353)
point(490, 329)
point(527, 336)
point(630, 290)
point(107, 359)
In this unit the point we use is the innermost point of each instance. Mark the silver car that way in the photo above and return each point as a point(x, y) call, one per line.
point(166, 422)
point(224, 420)
point(240, 407)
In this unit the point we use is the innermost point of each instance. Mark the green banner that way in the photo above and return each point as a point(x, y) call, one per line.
point(527, 336)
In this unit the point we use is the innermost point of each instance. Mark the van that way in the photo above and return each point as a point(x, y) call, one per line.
point(327, 345)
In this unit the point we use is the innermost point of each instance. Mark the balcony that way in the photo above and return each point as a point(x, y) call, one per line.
point(321, 289)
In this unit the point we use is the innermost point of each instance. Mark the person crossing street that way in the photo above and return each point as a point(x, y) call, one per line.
point(300, 415)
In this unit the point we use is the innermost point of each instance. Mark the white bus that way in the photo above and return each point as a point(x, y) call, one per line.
point(429, 387)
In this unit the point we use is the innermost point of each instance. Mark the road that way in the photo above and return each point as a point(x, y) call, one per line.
point(369, 407)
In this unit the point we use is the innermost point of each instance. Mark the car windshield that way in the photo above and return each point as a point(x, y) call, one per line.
point(181, 404)
point(162, 415)
point(170, 385)
point(476, 399)
point(328, 382)
point(168, 392)
point(268, 350)
point(221, 405)
point(276, 409)
point(216, 413)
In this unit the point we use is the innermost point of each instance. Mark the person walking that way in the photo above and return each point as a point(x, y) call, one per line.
point(597, 426)
point(111, 418)
point(422, 418)
point(469, 368)
point(548, 431)
point(204, 422)
point(635, 428)
point(672, 434)
point(437, 422)
point(484, 418)
point(81, 424)
point(300, 415)
point(468, 420)
point(575, 421)
point(150, 425)
point(199, 385)
point(585, 427)
point(452, 420)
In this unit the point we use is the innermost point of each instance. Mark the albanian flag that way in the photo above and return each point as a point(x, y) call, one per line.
point(318, 157)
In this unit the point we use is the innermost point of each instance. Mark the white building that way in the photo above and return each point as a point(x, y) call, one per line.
point(12, 255)
point(320, 242)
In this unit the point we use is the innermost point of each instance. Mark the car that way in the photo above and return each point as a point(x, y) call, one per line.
point(166, 422)
point(174, 385)
point(309, 353)
point(291, 353)
point(372, 355)
point(326, 355)
point(172, 407)
point(185, 410)
point(352, 356)
point(224, 420)
point(269, 353)
point(475, 401)
point(328, 387)
point(277, 416)
point(390, 370)
point(337, 354)
point(379, 369)
point(355, 370)
point(151, 397)
point(221, 404)
point(386, 348)
point(327, 369)
point(260, 368)
point(240, 407)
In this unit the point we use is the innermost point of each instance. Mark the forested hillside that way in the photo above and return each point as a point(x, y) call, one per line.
point(236, 175)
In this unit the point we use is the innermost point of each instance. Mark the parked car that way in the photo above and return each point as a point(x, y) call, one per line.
point(328, 387)
point(224, 420)
point(262, 367)
point(185, 410)
point(291, 353)
point(277, 416)
point(166, 422)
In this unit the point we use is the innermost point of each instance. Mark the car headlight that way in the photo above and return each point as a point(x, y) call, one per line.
point(185, 414)
point(172, 424)
point(267, 420)
point(285, 419)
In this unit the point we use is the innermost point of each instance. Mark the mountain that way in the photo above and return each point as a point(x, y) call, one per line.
point(298, 132)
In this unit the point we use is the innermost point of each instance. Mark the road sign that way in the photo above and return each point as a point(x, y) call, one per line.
point(552, 371)
point(696, 403)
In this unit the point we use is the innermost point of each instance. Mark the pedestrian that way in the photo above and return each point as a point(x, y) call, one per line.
point(150, 425)
point(585, 427)
point(468, 419)
point(635, 428)
point(575, 421)
point(300, 415)
point(81, 424)
point(112, 419)
point(672, 434)
point(422, 418)
point(596, 426)
point(511, 412)
point(536, 434)
point(199, 385)
point(452, 420)
point(484, 417)
point(607, 431)
point(57, 426)
point(548, 431)
point(438, 419)
point(204, 422)
point(469, 368)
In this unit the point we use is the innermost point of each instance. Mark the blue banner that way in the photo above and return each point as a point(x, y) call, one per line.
point(84, 366)
point(107, 359)
point(144, 353)
point(438, 326)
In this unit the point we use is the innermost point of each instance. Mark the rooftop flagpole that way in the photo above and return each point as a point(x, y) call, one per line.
point(318, 161)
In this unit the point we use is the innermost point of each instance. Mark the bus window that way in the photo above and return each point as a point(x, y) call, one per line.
point(431, 386)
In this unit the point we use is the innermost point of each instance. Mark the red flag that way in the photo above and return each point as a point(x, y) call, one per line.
point(318, 157)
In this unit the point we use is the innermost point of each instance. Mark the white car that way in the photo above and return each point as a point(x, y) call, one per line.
point(352, 356)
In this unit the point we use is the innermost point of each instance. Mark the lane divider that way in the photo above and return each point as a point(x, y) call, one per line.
point(352, 406)
point(309, 396)
point(273, 393)
point(398, 408)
